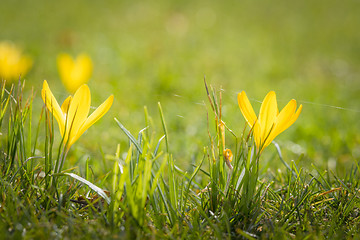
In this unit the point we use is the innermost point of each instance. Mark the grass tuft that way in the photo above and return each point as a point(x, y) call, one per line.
point(143, 193)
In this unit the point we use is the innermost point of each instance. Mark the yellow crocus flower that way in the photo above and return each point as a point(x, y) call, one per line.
point(74, 73)
point(12, 62)
point(72, 116)
point(270, 122)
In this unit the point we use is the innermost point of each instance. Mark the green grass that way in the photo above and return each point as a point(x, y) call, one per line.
point(145, 53)
point(150, 196)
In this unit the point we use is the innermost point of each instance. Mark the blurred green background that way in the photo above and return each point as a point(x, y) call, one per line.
point(150, 51)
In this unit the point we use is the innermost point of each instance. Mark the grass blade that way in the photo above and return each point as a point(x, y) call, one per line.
point(90, 185)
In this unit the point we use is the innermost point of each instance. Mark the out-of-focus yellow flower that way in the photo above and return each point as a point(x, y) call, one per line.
point(74, 73)
point(72, 116)
point(270, 122)
point(12, 62)
point(228, 155)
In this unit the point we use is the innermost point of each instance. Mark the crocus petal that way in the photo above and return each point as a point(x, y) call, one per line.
point(84, 62)
point(66, 104)
point(74, 73)
point(268, 113)
point(257, 134)
point(281, 121)
point(246, 109)
point(12, 62)
point(270, 122)
point(81, 71)
point(94, 117)
point(78, 111)
point(52, 105)
point(65, 65)
point(293, 118)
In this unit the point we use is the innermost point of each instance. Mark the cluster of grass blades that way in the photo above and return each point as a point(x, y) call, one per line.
point(227, 194)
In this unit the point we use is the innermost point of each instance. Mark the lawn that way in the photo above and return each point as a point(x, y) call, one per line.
point(158, 151)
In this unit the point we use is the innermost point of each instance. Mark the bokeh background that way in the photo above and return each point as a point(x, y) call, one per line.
point(146, 52)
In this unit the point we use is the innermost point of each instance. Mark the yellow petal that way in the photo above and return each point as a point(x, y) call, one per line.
point(81, 71)
point(268, 113)
point(293, 118)
point(287, 118)
point(53, 105)
point(86, 66)
point(246, 109)
point(95, 116)
point(281, 121)
point(12, 63)
point(65, 65)
point(74, 73)
point(78, 111)
point(66, 104)
point(257, 134)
